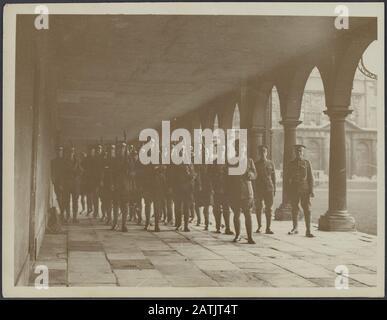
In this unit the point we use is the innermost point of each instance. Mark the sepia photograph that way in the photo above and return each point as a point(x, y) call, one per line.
point(193, 150)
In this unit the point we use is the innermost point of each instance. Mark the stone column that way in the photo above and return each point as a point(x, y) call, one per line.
point(337, 217)
point(257, 139)
point(283, 212)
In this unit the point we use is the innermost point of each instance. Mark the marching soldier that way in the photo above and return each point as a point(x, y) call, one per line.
point(205, 196)
point(91, 179)
point(265, 187)
point(186, 177)
point(107, 185)
point(75, 172)
point(147, 181)
point(159, 192)
point(240, 192)
point(134, 185)
point(121, 186)
point(85, 201)
point(169, 193)
point(219, 177)
point(58, 179)
point(173, 193)
point(98, 168)
point(199, 196)
point(300, 186)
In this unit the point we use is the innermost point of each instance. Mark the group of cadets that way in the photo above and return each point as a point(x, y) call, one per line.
point(111, 181)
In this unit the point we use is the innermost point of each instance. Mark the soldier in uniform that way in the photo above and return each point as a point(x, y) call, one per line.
point(205, 196)
point(85, 202)
point(169, 193)
point(241, 195)
point(159, 192)
point(97, 171)
point(219, 177)
point(75, 172)
point(265, 187)
point(173, 183)
point(300, 186)
point(147, 181)
point(109, 202)
point(90, 179)
point(173, 194)
point(134, 185)
point(121, 186)
point(186, 179)
point(58, 179)
point(199, 198)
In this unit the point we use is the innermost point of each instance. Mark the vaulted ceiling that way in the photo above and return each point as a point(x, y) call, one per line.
point(116, 72)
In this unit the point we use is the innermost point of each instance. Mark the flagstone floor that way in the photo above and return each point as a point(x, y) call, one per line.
point(90, 254)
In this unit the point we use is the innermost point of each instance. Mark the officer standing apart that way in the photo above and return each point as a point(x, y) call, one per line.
point(300, 186)
point(265, 188)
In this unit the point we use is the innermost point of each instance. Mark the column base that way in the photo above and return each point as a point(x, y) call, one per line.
point(336, 221)
point(284, 213)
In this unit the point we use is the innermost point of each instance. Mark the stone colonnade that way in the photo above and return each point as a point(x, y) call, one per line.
point(337, 64)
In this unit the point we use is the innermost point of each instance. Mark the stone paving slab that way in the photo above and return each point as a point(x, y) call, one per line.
point(90, 254)
point(91, 276)
point(131, 264)
point(367, 279)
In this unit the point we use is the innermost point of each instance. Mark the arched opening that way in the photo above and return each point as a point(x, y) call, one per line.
point(314, 154)
point(313, 102)
point(216, 122)
point(236, 118)
point(364, 91)
point(313, 129)
point(273, 117)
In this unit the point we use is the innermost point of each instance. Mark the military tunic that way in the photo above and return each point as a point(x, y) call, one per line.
point(219, 176)
point(241, 195)
point(300, 186)
point(264, 189)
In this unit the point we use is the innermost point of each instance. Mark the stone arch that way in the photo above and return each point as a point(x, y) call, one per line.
point(338, 71)
point(258, 118)
point(290, 84)
point(225, 115)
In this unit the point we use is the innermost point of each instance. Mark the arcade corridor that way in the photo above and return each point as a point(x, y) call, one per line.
point(90, 78)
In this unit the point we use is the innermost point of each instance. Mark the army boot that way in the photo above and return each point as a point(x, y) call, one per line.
point(249, 229)
point(268, 223)
point(258, 212)
point(307, 225)
point(186, 223)
point(295, 223)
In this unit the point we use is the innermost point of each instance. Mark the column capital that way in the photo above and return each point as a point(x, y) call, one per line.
point(338, 113)
point(290, 123)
